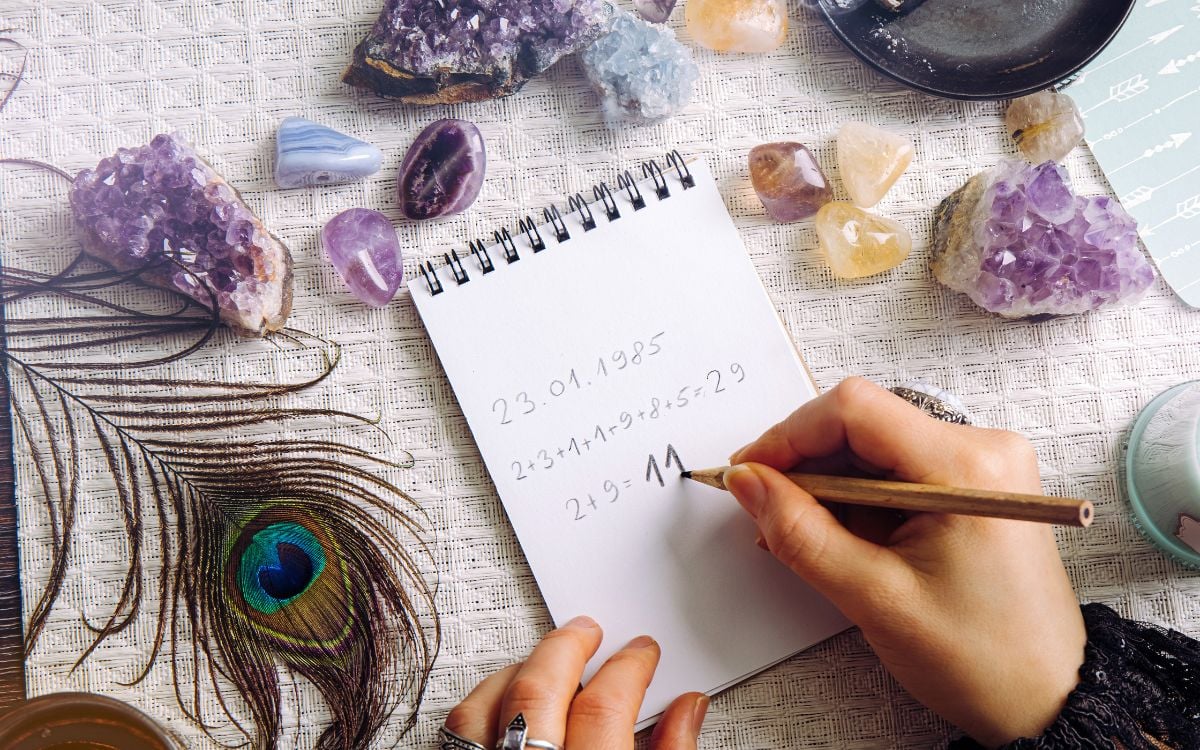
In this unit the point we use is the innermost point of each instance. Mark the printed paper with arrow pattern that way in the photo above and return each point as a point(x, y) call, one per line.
point(1141, 103)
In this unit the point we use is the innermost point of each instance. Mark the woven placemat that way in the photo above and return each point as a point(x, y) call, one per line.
point(108, 74)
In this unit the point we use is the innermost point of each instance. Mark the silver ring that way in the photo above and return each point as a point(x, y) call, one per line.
point(939, 404)
point(515, 737)
point(450, 741)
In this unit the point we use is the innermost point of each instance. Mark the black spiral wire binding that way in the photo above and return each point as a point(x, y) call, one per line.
point(685, 174)
point(576, 203)
point(431, 279)
point(505, 240)
point(626, 182)
point(456, 267)
point(605, 196)
point(532, 234)
point(481, 254)
point(555, 219)
point(652, 170)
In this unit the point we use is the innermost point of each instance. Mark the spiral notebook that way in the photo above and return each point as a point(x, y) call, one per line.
point(595, 355)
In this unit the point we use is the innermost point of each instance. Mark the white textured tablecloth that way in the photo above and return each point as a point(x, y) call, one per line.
point(109, 74)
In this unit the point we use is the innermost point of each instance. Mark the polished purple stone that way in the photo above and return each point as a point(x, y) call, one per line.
point(363, 248)
point(161, 208)
point(654, 11)
point(443, 170)
point(1019, 242)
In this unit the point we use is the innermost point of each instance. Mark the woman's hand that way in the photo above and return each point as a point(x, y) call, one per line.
point(545, 689)
point(974, 616)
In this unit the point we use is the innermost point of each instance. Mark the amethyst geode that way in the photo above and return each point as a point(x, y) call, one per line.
point(1020, 243)
point(447, 51)
point(145, 207)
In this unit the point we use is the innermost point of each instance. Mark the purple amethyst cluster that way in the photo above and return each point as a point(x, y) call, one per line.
point(446, 51)
point(1020, 243)
point(148, 206)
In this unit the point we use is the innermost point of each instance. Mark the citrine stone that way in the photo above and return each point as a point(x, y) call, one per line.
point(1046, 126)
point(788, 180)
point(857, 243)
point(737, 25)
point(870, 161)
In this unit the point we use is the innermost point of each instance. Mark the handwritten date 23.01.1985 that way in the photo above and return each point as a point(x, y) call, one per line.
point(525, 403)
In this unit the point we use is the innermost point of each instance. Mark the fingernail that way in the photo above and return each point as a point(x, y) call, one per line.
point(733, 457)
point(698, 713)
point(746, 487)
point(761, 542)
point(642, 641)
point(583, 622)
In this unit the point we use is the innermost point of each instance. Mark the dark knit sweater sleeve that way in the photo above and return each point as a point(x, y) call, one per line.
point(1139, 689)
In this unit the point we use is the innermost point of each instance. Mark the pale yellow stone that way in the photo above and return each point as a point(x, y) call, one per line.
point(737, 25)
point(870, 161)
point(857, 243)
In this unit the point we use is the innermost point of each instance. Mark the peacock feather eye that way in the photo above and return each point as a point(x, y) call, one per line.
point(279, 564)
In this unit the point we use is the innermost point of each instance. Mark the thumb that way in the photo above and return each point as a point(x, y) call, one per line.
point(805, 536)
point(679, 727)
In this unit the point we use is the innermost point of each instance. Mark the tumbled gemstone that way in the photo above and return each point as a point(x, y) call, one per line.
point(857, 243)
point(655, 11)
point(788, 180)
point(1019, 242)
point(307, 153)
point(1046, 126)
point(870, 161)
point(437, 52)
point(641, 72)
point(443, 170)
point(363, 248)
point(737, 25)
point(162, 201)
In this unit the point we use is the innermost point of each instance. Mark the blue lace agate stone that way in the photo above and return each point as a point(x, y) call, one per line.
point(310, 154)
point(642, 73)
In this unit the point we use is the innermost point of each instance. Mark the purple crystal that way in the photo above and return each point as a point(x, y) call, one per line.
point(363, 248)
point(654, 11)
point(443, 170)
point(147, 206)
point(1019, 242)
point(441, 52)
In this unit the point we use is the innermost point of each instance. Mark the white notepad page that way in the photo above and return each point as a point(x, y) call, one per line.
point(573, 367)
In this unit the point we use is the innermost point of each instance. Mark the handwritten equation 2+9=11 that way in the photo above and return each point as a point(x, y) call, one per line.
point(581, 508)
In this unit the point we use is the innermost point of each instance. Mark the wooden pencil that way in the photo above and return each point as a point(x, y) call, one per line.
point(879, 493)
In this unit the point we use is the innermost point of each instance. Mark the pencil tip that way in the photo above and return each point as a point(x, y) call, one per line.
point(686, 474)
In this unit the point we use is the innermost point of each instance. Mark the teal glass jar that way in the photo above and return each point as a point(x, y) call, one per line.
point(1162, 472)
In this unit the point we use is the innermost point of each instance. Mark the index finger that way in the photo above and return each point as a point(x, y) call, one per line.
point(876, 425)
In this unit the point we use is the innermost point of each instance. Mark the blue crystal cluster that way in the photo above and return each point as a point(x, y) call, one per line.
point(642, 73)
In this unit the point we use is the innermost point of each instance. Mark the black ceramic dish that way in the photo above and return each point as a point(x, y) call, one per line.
point(978, 49)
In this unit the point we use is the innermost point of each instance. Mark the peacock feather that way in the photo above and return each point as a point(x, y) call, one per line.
point(276, 553)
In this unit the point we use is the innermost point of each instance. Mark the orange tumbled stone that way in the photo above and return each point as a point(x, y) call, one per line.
point(857, 243)
point(737, 25)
